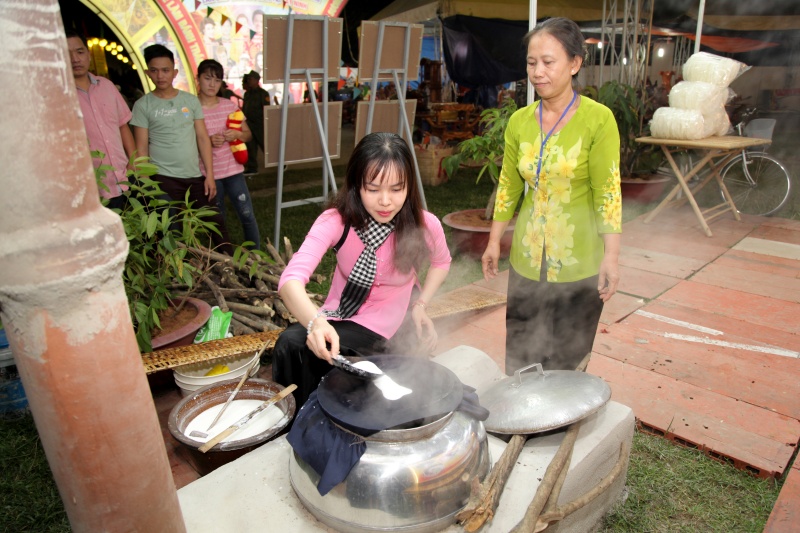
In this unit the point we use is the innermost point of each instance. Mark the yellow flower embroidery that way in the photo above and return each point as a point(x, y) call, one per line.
point(502, 201)
point(527, 161)
point(562, 231)
point(560, 190)
point(565, 168)
point(612, 200)
point(532, 240)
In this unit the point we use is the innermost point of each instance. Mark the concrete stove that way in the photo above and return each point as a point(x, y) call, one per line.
point(254, 493)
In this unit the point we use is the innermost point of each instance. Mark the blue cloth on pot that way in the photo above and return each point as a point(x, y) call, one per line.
point(328, 449)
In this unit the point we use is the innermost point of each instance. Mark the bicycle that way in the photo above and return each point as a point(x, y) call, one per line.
point(758, 183)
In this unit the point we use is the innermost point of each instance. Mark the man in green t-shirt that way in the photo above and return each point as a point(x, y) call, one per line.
point(168, 127)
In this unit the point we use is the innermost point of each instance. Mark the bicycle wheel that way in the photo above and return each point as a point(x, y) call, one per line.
point(767, 189)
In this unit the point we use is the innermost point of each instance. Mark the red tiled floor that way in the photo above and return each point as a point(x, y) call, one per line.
point(620, 306)
point(644, 284)
point(732, 388)
point(484, 330)
point(751, 308)
point(659, 262)
point(786, 514)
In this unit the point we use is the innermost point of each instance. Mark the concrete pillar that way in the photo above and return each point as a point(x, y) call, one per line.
point(61, 295)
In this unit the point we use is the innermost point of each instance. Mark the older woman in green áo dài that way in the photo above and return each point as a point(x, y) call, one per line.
point(567, 237)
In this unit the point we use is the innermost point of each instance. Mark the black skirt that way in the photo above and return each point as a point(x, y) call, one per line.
point(550, 323)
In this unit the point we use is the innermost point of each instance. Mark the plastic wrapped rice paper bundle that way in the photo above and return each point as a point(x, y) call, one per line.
point(699, 95)
point(719, 121)
point(682, 124)
point(709, 68)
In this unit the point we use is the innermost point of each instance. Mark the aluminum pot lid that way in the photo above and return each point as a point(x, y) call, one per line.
point(542, 400)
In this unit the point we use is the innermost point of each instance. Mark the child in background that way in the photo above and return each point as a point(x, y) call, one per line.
point(229, 174)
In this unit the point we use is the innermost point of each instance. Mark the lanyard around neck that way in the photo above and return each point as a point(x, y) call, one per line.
point(545, 139)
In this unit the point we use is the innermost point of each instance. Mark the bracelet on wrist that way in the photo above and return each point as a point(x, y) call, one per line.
point(420, 303)
point(311, 322)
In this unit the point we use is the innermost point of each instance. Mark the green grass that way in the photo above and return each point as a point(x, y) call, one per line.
point(29, 500)
point(669, 488)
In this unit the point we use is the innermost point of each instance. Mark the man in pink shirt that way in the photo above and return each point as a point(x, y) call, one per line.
point(105, 117)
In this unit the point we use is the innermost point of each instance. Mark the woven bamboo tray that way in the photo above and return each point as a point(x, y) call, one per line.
point(464, 300)
point(452, 303)
point(208, 351)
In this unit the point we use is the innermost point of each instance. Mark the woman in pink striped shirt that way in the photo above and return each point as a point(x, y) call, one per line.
point(229, 174)
point(382, 238)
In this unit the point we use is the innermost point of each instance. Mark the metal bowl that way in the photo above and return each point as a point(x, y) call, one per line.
point(542, 400)
point(414, 480)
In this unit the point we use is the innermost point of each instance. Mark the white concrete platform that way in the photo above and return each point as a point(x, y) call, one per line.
point(254, 494)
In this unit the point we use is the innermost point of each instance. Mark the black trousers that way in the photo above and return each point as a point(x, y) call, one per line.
point(176, 189)
point(550, 323)
point(294, 362)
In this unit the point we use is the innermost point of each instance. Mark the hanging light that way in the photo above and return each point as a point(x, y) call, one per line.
point(133, 66)
point(600, 45)
point(113, 44)
point(660, 52)
point(120, 48)
point(125, 60)
point(102, 42)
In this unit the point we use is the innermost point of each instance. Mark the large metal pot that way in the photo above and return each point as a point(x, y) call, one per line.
point(414, 480)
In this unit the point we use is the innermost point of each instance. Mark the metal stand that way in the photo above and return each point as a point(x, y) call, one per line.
point(404, 127)
point(328, 178)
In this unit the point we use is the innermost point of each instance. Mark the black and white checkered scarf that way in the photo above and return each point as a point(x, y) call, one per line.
point(363, 274)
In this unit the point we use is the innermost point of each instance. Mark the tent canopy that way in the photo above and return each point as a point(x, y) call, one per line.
point(482, 37)
point(735, 15)
point(421, 10)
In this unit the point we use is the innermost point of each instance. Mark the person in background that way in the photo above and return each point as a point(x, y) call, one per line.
point(169, 128)
point(210, 38)
point(226, 93)
point(382, 238)
point(105, 117)
point(228, 173)
point(564, 254)
point(255, 98)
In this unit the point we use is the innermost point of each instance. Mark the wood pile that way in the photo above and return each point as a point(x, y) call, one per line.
point(247, 286)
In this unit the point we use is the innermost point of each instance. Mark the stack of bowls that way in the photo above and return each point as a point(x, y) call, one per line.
point(190, 378)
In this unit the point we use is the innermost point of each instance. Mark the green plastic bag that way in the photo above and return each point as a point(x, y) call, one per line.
point(216, 327)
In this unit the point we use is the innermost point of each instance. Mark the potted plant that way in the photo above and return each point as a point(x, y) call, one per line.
point(154, 226)
point(638, 162)
point(470, 228)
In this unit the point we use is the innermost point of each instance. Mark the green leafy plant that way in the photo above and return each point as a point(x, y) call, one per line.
point(631, 111)
point(160, 233)
point(156, 227)
point(485, 149)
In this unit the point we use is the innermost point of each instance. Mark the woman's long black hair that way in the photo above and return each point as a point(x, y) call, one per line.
point(372, 155)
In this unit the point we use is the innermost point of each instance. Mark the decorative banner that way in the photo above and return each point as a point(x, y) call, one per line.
point(188, 28)
point(188, 32)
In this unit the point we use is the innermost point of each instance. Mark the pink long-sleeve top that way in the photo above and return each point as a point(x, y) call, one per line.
point(387, 301)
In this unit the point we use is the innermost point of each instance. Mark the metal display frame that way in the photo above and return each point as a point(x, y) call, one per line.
point(394, 73)
point(309, 74)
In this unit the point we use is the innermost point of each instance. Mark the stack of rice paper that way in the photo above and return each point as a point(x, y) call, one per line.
point(697, 104)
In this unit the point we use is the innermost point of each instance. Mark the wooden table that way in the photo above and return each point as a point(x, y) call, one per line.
point(718, 151)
